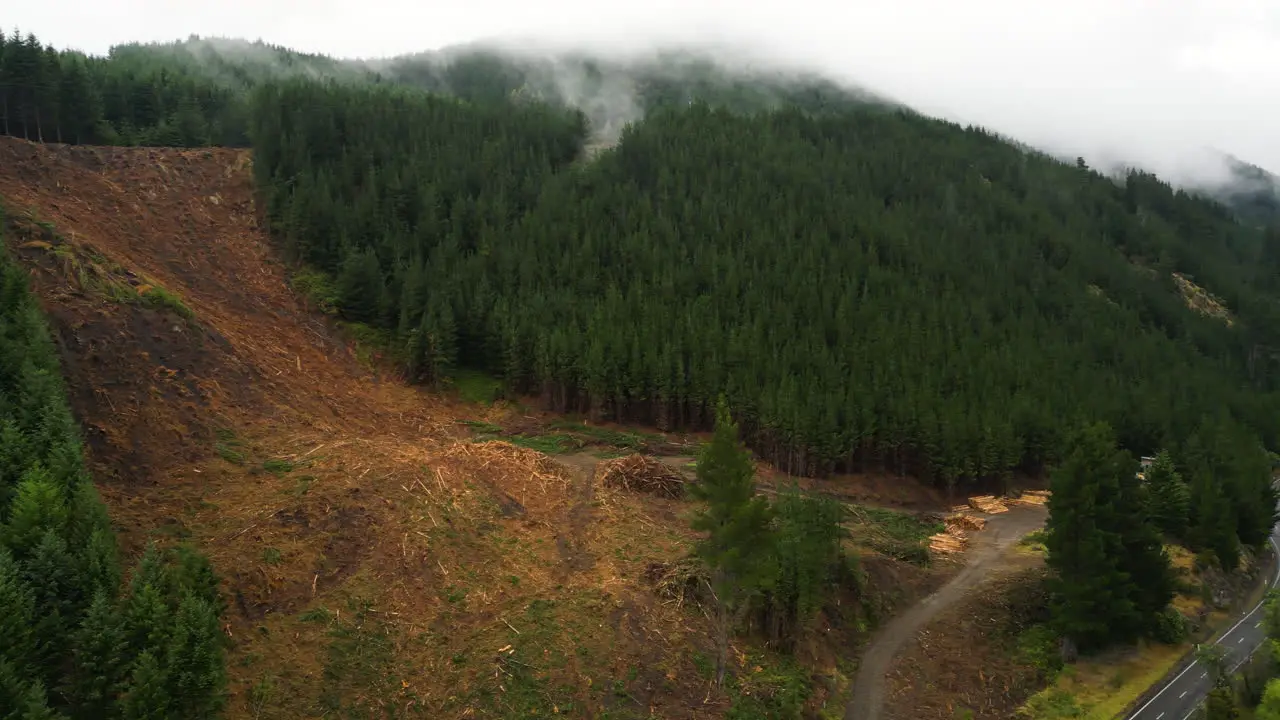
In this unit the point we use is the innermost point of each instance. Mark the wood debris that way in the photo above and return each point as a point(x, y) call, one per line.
point(950, 542)
point(1033, 497)
point(638, 473)
point(964, 521)
point(989, 504)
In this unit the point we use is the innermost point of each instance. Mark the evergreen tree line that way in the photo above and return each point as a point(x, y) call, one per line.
point(79, 640)
point(868, 287)
point(48, 95)
point(1108, 523)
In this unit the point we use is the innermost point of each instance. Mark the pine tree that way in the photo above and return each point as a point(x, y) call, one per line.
point(37, 508)
point(807, 557)
point(1169, 495)
point(1214, 525)
point(736, 521)
point(17, 617)
point(147, 694)
point(194, 662)
point(1142, 556)
point(1092, 595)
point(1221, 704)
point(1269, 709)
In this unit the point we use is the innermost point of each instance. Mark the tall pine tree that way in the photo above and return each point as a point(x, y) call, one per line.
point(736, 521)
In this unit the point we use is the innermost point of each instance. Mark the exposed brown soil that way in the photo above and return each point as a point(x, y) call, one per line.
point(965, 659)
point(988, 553)
point(372, 555)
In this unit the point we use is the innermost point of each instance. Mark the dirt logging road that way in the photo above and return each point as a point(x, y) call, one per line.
point(987, 554)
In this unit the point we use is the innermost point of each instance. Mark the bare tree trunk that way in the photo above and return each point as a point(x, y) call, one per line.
point(1069, 650)
point(722, 642)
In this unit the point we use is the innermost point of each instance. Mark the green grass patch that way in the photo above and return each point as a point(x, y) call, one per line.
point(483, 428)
point(769, 691)
point(557, 444)
point(228, 446)
point(161, 299)
point(317, 288)
point(474, 386)
point(370, 343)
point(895, 534)
point(569, 436)
point(358, 661)
point(277, 466)
point(1034, 543)
point(523, 688)
point(620, 439)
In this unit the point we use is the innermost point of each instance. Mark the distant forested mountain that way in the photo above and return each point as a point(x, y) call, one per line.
point(195, 92)
point(1253, 193)
point(866, 285)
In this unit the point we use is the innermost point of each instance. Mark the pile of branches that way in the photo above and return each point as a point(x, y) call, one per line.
point(638, 473)
point(683, 580)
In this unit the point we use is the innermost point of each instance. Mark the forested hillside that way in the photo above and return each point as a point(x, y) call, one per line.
point(195, 92)
point(79, 642)
point(867, 286)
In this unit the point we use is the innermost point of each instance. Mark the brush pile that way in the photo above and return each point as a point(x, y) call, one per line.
point(638, 473)
point(680, 581)
point(989, 504)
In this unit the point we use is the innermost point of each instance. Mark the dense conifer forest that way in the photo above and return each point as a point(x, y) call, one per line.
point(82, 638)
point(868, 286)
point(865, 287)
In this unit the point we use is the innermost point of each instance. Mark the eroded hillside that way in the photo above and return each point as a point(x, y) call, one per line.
point(369, 557)
point(372, 554)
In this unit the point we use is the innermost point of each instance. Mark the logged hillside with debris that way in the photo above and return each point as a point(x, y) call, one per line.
point(379, 544)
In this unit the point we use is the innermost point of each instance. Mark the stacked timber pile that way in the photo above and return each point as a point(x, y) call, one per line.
point(950, 542)
point(956, 536)
point(638, 473)
point(1033, 497)
point(964, 522)
point(989, 504)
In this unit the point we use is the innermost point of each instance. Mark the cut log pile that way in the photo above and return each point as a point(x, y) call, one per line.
point(956, 536)
point(963, 522)
point(950, 542)
point(638, 473)
point(989, 504)
point(1033, 497)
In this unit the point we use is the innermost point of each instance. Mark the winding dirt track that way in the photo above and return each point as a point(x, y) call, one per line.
point(987, 553)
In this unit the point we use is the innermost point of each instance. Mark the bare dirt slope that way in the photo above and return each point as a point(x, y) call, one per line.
point(375, 560)
point(987, 555)
point(371, 559)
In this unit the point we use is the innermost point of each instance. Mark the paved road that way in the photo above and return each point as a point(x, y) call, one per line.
point(1184, 693)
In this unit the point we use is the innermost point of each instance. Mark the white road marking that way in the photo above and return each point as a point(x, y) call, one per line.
point(1240, 640)
point(1184, 694)
point(1171, 683)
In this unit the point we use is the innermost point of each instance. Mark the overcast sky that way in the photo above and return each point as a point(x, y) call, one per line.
point(1151, 80)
